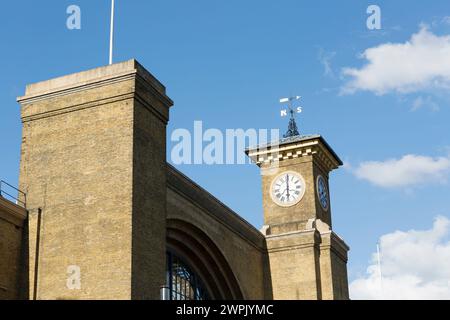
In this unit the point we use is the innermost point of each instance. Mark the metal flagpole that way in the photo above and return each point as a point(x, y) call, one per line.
point(379, 270)
point(111, 37)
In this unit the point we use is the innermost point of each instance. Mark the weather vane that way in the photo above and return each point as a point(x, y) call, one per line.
point(292, 128)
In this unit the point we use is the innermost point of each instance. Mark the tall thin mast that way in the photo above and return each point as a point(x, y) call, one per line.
point(111, 37)
point(380, 274)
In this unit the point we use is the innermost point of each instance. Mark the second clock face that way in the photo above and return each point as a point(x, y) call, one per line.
point(287, 189)
point(322, 192)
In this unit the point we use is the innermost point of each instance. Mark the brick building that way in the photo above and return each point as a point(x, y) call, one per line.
point(108, 218)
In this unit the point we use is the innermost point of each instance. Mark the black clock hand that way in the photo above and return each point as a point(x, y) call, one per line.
point(287, 185)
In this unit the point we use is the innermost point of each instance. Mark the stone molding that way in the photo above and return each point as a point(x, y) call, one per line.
point(97, 78)
point(303, 147)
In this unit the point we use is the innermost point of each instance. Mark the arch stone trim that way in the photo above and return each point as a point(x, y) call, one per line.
point(205, 257)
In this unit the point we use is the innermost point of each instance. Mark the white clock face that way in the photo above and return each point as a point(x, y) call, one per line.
point(322, 192)
point(287, 189)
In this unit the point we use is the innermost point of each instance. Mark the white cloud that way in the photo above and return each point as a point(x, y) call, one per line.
point(421, 63)
point(408, 171)
point(446, 20)
point(325, 59)
point(414, 265)
point(421, 102)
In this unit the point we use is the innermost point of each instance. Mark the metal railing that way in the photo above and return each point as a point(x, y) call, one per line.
point(5, 191)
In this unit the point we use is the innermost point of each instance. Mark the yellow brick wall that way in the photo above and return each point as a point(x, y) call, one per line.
point(13, 251)
point(88, 164)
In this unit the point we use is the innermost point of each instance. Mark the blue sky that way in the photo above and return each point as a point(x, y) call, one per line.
point(228, 62)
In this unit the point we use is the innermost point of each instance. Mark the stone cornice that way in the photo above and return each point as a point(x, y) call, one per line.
point(77, 107)
point(309, 146)
point(126, 71)
point(333, 242)
point(79, 87)
point(308, 238)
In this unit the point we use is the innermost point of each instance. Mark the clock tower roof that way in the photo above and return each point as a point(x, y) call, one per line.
point(295, 147)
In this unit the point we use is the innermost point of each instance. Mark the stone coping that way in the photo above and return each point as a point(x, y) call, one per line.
point(84, 78)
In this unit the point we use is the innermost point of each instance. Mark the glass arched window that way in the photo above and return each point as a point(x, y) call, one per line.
point(181, 282)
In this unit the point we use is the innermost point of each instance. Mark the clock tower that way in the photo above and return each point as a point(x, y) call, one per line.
point(308, 260)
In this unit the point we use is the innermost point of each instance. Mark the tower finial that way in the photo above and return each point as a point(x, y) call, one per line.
point(292, 127)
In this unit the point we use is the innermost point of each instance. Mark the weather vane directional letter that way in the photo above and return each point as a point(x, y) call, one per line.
point(292, 128)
